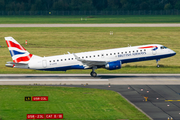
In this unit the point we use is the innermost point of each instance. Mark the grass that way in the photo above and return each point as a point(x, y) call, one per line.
point(91, 19)
point(55, 41)
point(74, 103)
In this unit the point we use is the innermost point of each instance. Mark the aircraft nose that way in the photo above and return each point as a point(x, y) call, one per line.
point(172, 52)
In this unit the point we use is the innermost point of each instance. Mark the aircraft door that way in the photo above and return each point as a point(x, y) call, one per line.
point(154, 52)
point(44, 63)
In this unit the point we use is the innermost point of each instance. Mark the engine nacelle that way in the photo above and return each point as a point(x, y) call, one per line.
point(113, 65)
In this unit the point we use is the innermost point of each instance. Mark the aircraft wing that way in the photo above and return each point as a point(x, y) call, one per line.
point(90, 63)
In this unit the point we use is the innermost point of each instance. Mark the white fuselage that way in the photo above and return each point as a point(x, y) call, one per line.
point(125, 55)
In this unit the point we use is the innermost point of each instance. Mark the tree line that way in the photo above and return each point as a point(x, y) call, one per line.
point(87, 5)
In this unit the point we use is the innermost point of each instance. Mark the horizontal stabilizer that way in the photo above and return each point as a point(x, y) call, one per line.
point(9, 65)
point(17, 65)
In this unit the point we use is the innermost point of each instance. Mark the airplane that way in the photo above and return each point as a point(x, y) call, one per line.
point(109, 59)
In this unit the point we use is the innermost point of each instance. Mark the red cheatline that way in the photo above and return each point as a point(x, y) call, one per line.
point(147, 47)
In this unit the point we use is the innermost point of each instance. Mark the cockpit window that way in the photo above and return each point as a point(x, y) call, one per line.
point(163, 47)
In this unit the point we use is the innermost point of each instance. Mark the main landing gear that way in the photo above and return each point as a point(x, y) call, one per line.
point(93, 74)
point(157, 60)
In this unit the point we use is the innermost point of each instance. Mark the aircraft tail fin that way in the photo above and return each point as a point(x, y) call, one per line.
point(18, 53)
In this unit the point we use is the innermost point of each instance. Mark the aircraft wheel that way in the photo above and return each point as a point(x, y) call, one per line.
point(93, 74)
point(158, 66)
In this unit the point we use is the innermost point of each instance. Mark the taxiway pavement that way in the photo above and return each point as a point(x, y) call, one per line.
point(78, 79)
point(92, 25)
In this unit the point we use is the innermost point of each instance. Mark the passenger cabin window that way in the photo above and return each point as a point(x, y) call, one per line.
point(144, 49)
point(57, 60)
point(61, 60)
point(69, 59)
point(110, 53)
point(53, 60)
point(137, 51)
point(49, 61)
point(121, 52)
point(94, 56)
point(114, 53)
point(129, 51)
point(98, 55)
point(106, 54)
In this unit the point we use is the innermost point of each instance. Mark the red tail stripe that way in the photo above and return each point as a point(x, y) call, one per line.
point(12, 44)
point(23, 59)
point(147, 47)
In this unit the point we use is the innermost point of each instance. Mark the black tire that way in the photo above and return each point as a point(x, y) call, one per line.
point(157, 66)
point(93, 74)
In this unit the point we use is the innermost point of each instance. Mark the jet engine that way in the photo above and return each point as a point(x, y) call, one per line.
point(113, 65)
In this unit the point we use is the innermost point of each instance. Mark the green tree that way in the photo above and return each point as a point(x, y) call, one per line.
point(11, 6)
point(144, 6)
point(113, 4)
point(177, 5)
point(38, 5)
point(60, 5)
point(20, 7)
point(87, 5)
point(100, 4)
point(168, 6)
point(2, 5)
point(82, 5)
point(129, 6)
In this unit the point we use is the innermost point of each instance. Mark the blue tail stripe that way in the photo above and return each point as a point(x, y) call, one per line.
point(14, 52)
point(11, 53)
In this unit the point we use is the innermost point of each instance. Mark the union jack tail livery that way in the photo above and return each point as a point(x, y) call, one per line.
point(18, 53)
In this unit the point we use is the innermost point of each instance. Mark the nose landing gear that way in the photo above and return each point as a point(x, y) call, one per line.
point(157, 60)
